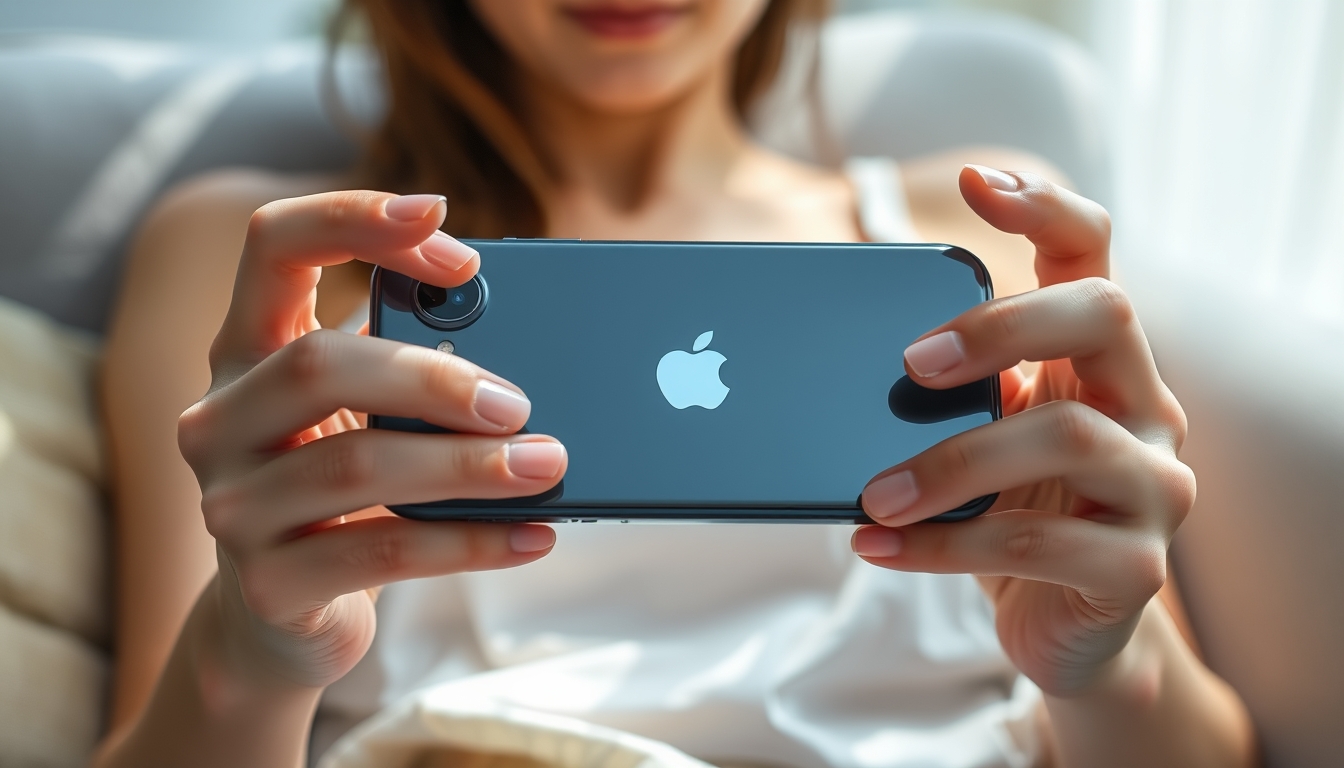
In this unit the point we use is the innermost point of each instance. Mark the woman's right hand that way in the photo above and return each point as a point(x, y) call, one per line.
point(281, 458)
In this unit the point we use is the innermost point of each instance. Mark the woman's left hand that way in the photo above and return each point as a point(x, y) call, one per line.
point(1092, 492)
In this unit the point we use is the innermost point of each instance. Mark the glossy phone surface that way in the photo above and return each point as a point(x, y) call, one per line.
point(743, 382)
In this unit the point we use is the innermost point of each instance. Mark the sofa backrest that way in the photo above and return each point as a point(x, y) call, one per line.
point(95, 128)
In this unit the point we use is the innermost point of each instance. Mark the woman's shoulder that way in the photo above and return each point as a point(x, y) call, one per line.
point(187, 247)
point(198, 226)
point(224, 200)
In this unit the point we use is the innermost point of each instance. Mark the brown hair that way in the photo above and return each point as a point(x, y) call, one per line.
point(449, 127)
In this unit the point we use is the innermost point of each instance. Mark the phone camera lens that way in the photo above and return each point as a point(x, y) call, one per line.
point(450, 308)
point(430, 296)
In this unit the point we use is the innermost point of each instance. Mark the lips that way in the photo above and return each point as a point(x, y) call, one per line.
point(626, 21)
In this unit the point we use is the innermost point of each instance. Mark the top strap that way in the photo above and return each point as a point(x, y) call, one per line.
point(884, 214)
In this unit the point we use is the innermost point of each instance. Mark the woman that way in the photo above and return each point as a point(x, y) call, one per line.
point(623, 119)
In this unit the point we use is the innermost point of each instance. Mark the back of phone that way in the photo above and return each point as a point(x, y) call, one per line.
point(703, 381)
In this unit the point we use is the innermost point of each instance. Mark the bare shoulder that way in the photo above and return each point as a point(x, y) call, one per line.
point(178, 280)
point(940, 214)
point(217, 205)
point(186, 250)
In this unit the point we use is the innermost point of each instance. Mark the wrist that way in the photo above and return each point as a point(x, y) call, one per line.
point(232, 672)
point(210, 707)
point(1153, 704)
point(1131, 679)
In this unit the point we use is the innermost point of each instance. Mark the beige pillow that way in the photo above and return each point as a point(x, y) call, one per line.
point(53, 545)
point(442, 726)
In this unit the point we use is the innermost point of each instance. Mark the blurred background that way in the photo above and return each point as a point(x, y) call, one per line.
point(258, 22)
point(1241, 100)
point(1221, 128)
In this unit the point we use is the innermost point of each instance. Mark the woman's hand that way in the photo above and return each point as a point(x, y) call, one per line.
point(1076, 546)
point(281, 459)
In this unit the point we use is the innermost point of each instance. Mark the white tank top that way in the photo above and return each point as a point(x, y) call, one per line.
point(762, 645)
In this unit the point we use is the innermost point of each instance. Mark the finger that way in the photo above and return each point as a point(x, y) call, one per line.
point(1072, 234)
point(289, 241)
point(1102, 562)
point(1128, 481)
point(353, 470)
point(323, 371)
point(1089, 322)
point(369, 553)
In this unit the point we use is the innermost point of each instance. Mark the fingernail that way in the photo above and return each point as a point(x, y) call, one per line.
point(534, 460)
point(876, 541)
point(501, 406)
point(531, 538)
point(889, 495)
point(411, 207)
point(996, 179)
point(446, 252)
point(937, 354)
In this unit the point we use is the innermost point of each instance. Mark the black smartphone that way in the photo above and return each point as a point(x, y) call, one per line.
point(693, 381)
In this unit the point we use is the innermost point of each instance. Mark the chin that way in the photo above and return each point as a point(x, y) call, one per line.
point(620, 84)
point(626, 96)
point(620, 56)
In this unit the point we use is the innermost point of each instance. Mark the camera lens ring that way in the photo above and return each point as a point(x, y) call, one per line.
point(445, 312)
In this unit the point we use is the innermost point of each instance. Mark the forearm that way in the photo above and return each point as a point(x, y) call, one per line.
point(1157, 706)
point(209, 709)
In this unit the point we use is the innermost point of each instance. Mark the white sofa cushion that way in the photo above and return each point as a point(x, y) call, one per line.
point(53, 540)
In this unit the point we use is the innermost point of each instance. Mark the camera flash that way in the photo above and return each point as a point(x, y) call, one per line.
point(446, 347)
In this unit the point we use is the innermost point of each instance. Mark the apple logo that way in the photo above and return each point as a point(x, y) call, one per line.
point(692, 378)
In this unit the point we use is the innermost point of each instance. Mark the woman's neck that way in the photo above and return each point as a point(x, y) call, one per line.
point(627, 162)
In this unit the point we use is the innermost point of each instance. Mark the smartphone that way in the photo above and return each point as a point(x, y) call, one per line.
point(697, 381)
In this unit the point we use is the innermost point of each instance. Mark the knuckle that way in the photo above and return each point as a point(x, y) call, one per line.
point(935, 542)
point(194, 433)
point(948, 463)
point(1027, 541)
point(1102, 219)
point(1109, 299)
point(218, 354)
point(1074, 429)
point(223, 506)
point(1004, 318)
point(384, 553)
point(956, 457)
point(442, 378)
point(1181, 490)
point(313, 357)
point(476, 463)
point(1170, 412)
point(262, 222)
point(1148, 571)
point(341, 208)
point(477, 551)
point(342, 464)
point(959, 459)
